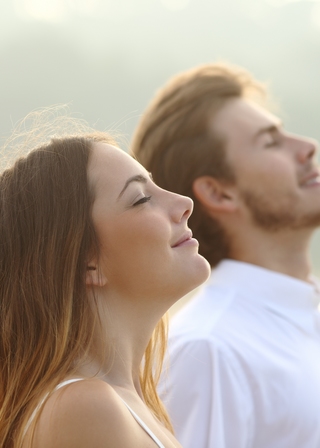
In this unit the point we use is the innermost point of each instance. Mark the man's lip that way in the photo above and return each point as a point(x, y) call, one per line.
point(186, 236)
point(310, 177)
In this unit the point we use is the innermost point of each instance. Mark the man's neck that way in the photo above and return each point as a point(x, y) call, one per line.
point(286, 252)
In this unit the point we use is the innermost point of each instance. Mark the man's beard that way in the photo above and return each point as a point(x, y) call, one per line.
point(278, 214)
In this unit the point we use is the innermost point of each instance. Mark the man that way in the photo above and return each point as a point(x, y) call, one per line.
point(244, 366)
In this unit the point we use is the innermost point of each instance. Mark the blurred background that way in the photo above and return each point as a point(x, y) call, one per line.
point(106, 58)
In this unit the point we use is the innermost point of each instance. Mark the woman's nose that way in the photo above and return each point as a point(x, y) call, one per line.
point(182, 207)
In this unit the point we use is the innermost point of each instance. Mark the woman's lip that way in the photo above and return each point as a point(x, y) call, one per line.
point(187, 242)
point(187, 236)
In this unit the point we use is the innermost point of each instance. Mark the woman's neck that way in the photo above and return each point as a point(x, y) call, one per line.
point(120, 342)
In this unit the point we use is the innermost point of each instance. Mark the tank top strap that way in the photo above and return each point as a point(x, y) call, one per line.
point(37, 409)
point(143, 425)
point(73, 380)
point(65, 383)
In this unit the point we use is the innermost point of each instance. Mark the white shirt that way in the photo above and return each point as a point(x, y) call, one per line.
point(244, 362)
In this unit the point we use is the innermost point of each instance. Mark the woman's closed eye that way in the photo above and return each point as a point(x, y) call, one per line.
point(142, 200)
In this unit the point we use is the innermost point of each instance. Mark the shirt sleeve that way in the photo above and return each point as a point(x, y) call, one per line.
point(206, 396)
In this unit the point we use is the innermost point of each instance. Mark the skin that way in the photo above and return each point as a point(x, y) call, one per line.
point(271, 210)
point(139, 274)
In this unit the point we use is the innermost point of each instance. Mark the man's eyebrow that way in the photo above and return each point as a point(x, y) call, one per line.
point(268, 129)
point(137, 178)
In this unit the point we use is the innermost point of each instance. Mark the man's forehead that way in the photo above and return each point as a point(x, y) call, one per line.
point(241, 117)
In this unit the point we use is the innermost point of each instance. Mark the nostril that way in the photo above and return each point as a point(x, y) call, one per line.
point(186, 214)
point(189, 209)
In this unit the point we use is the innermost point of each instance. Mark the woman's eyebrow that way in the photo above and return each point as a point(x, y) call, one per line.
point(137, 178)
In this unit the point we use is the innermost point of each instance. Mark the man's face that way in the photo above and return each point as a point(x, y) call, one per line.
point(277, 180)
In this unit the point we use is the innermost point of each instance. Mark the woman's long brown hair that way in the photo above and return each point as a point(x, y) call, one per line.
point(46, 321)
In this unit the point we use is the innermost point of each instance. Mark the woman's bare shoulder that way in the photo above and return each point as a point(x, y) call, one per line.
point(87, 413)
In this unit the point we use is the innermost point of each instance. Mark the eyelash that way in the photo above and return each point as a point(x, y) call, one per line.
point(142, 200)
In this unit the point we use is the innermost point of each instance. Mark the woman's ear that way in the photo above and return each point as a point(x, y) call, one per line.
point(215, 195)
point(94, 276)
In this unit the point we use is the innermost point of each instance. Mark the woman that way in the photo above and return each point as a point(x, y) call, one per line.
point(92, 255)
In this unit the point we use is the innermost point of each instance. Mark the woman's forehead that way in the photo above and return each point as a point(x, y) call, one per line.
point(110, 167)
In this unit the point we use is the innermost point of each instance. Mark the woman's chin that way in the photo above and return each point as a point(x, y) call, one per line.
point(203, 270)
point(196, 276)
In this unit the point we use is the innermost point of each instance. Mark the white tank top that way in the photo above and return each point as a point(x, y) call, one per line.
point(135, 416)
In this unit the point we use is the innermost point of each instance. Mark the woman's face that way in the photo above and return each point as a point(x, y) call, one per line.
point(146, 249)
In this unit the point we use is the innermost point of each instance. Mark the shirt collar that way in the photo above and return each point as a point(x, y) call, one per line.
point(275, 291)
